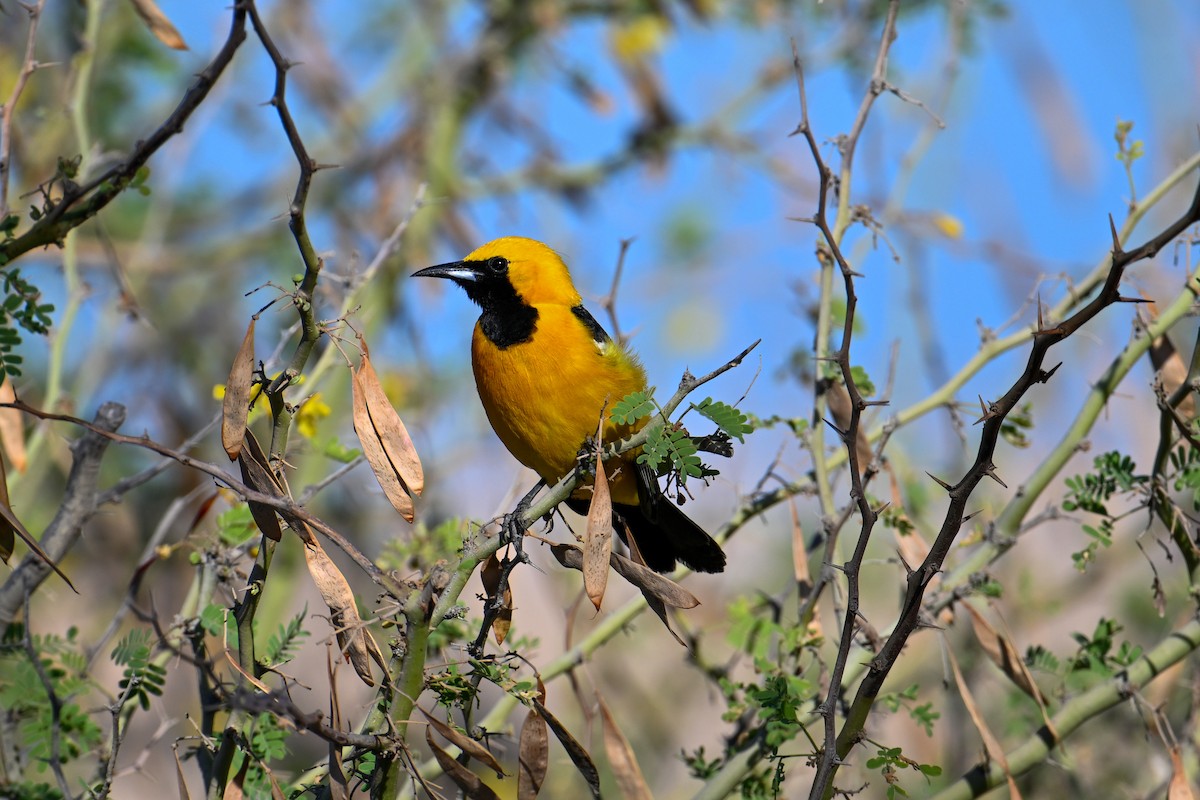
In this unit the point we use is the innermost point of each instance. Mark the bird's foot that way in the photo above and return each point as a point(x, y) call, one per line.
point(512, 529)
point(585, 459)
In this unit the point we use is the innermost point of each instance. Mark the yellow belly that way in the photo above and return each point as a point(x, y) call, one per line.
point(544, 396)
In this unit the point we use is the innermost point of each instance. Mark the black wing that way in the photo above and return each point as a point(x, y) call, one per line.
point(599, 335)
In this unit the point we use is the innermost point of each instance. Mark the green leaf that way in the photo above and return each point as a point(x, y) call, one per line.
point(726, 417)
point(632, 408)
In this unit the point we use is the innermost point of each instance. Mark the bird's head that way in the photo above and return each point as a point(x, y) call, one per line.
point(510, 265)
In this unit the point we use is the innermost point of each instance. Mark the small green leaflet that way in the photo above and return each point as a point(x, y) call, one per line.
point(674, 446)
point(726, 417)
point(633, 407)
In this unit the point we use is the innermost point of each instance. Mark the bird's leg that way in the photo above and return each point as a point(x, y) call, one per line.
point(512, 530)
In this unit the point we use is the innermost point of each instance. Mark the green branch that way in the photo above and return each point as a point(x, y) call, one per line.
point(1171, 650)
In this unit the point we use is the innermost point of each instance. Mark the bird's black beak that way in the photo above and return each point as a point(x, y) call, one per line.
point(457, 271)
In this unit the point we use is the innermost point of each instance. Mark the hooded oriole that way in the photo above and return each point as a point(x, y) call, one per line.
point(544, 369)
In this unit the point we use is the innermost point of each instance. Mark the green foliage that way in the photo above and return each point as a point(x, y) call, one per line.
point(281, 647)
point(26, 702)
point(20, 309)
point(261, 740)
point(797, 425)
point(1096, 653)
point(866, 387)
point(1018, 423)
point(896, 518)
point(1090, 492)
point(26, 790)
point(1039, 658)
point(726, 417)
point(669, 447)
point(1127, 151)
point(212, 620)
point(335, 450)
point(235, 526)
point(424, 546)
point(890, 761)
point(699, 765)
point(922, 714)
point(138, 184)
point(633, 407)
point(1102, 537)
point(452, 687)
point(781, 652)
point(778, 699)
point(143, 677)
point(1185, 468)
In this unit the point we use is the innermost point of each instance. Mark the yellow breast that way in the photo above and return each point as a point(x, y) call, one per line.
point(544, 396)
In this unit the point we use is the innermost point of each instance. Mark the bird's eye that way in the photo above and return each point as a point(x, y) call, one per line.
point(498, 265)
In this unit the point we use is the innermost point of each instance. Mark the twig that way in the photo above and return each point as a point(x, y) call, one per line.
point(306, 291)
point(118, 735)
point(116, 492)
point(78, 504)
point(29, 65)
point(285, 505)
point(828, 758)
point(609, 303)
point(35, 659)
point(80, 203)
point(311, 490)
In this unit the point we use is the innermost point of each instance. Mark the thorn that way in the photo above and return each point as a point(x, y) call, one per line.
point(840, 432)
point(991, 473)
point(1131, 300)
point(800, 128)
point(968, 517)
point(986, 413)
point(907, 567)
point(1044, 376)
point(1040, 325)
point(1116, 238)
point(940, 482)
point(867, 403)
point(924, 623)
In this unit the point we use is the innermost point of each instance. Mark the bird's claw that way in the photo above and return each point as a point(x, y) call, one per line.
point(513, 532)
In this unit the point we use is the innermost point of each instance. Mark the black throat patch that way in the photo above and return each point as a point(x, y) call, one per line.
point(506, 319)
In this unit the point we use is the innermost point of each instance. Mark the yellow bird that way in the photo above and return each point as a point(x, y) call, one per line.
point(544, 369)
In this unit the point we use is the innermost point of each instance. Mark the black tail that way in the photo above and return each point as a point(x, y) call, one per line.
point(671, 536)
point(661, 532)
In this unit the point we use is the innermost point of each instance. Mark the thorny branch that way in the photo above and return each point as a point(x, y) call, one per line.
point(79, 203)
point(830, 248)
point(959, 493)
point(836, 748)
point(29, 65)
point(77, 506)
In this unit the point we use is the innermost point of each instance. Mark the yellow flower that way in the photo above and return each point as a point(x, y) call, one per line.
point(310, 411)
point(639, 38)
point(949, 226)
